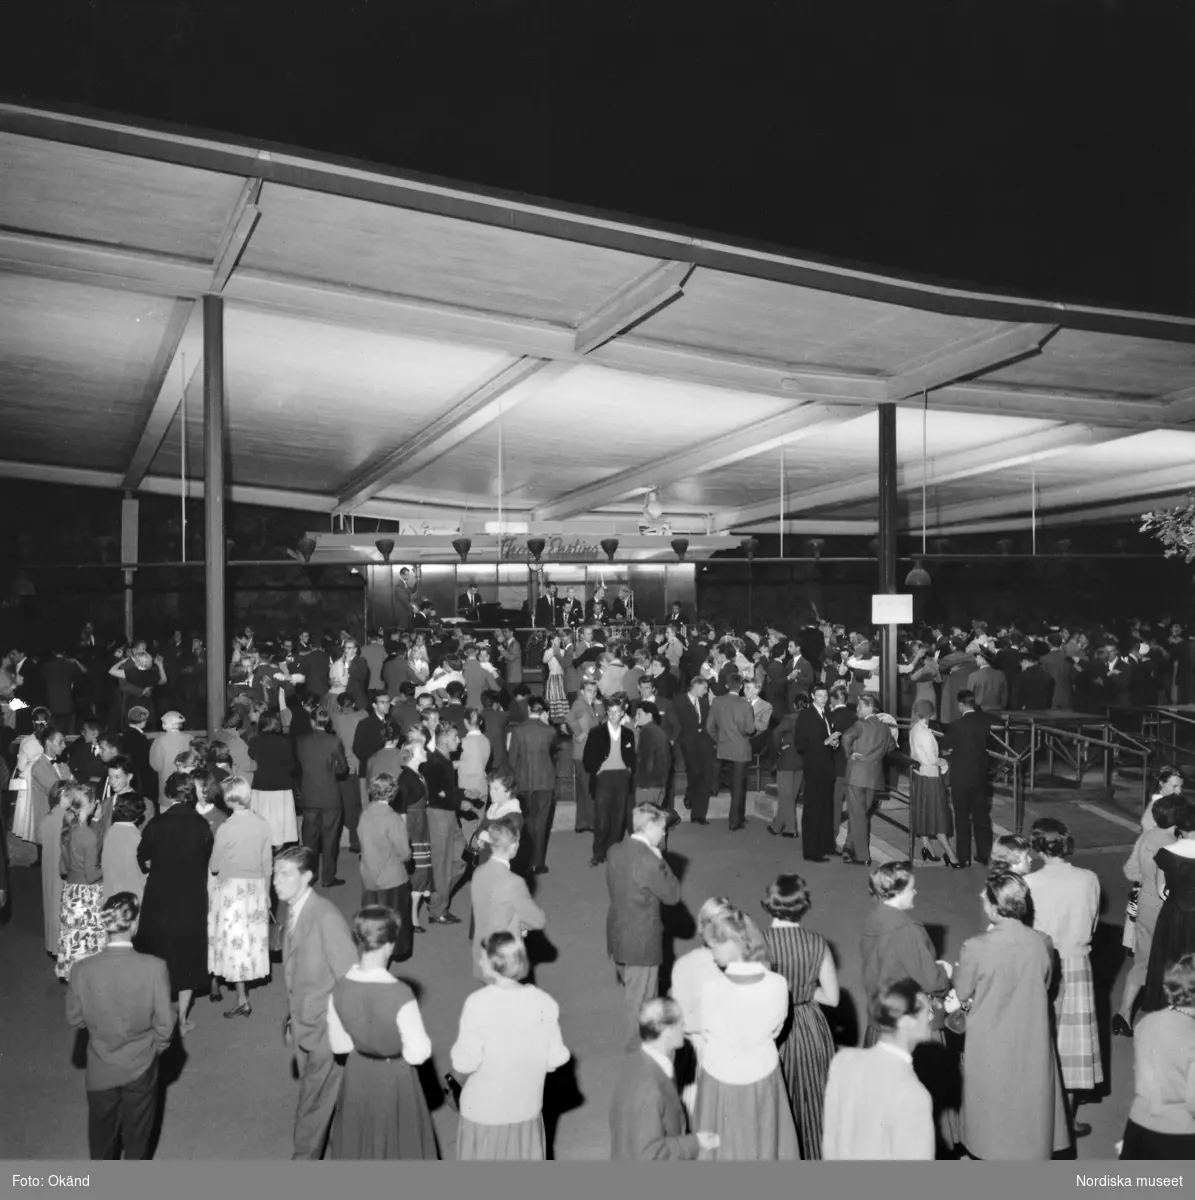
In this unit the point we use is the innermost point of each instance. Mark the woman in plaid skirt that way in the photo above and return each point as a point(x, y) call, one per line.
point(1066, 907)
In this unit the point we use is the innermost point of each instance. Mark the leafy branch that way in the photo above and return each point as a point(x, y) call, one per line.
point(1174, 528)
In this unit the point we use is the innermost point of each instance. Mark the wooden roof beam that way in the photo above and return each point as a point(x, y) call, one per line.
point(649, 293)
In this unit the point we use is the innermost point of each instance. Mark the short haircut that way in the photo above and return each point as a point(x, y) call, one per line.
point(505, 777)
point(644, 816)
point(504, 833)
point(374, 927)
point(507, 955)
point(232, 719)
point(383, 788)
point(870, 699)
point(321, 720)
point(838, 692)
point(269, 724)
point(181, 789)
point(237, 790)
point(120, 913)
point(490, 698)
point(966, 696)
point(1009, 896)
point(926, 709)
point(91, 726)
point(521, 690)
point(122, 762)
point(345, 702)
point(888, 881)
point(129, 808)
point(473, 718)
point(455, 690)
point(787, 898)
point(1051, 838)
point(619, 699)
point(1011, 853)
point(818, 686)
point(649, 708)
point(698, 681)
point(657, 1016)
point(1184, 815)
point(535, 706)
point(709, 916)
point(1166, 808)
point(1178, 982)
point(446, 732)
point(733, 680)
point(188, 760)
point(903, 998)
point(303, 858)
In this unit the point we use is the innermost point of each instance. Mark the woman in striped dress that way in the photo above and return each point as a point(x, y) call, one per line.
point(1066, 907)
point(804, 959)
point(554, 692)
point(411, 802)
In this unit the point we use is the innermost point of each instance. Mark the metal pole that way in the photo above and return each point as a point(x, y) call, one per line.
point(887, 551)
point(213, 503)
point(129, 553)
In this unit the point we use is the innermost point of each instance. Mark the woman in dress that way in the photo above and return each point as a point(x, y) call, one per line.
point(80, 930)
point(690, 973)
point(1014, 1107)
point(30, 749)
point(1169, 783)
point(1161, 1121)
point(1174, 931)
point(418, 658)
point(411, 802)
point(554, 690)
point(139, 676)
point(274, 781)
point(929, 805)
point(1066, 908)
point(804, 959)
point(1142, 870)
point(740, 1092)
point(48, 770)
point(174, 852)
point(385, 854)
point(119, 859)
point(508, 1041)
point(49, 840)
point(238, 921)
point(374, 1019)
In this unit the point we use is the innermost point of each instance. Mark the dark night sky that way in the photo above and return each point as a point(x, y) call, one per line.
point(1042, 146)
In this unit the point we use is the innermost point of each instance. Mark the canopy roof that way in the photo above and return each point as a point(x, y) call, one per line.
point(408, 348)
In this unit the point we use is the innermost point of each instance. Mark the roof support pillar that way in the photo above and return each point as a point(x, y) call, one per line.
point(213, 505)
point(887, 552)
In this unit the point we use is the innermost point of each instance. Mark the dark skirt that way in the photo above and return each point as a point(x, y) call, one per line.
point(382, 1112)
point(1174, 936)
point(929, 806)
point(523, 1141)
point(398, 899)
point(1141, 1143)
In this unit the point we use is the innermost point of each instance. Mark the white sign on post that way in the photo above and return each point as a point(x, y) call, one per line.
point(892, 610)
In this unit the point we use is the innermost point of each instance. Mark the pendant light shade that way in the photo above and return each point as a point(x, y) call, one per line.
point(385, 548)
point(679, 546)
point(306, 548)
point(918, 577)
point(610, 546)
point(536, 546)
point(462, 546)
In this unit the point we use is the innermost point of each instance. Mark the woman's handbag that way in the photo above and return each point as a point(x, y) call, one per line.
point(1129, 938)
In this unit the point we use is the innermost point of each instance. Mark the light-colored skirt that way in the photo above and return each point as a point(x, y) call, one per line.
point(1077, 1029)
point(522, 1142)
point(24, 824)
point(753, 1120)
point(238, 930)
point(80, 931)
point(277, 809)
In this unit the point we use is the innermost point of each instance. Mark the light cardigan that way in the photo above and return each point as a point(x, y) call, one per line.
point(242, 848)
point(741, 1014)
point(470, 767)
point(1066, 905)
point(923, 746)
point(416, 1045)
point(509, 1039)
point(690, 973)
point(1164, 1073)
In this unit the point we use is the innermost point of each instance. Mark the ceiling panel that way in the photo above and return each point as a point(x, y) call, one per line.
point(385, 249)
point(760, 319)
point(96, 196)
point(75, 368)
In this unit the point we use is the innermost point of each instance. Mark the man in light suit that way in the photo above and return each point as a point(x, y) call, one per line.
point(988, 683)
point(731, 725)
point(647, 1119)
point(639, 882)
point(122, 998)
point(866, 743)
point(876, 1107)
point(582, 717)
point(317, 951)
point(762, 712)
point(531, 760)
point(501, 901)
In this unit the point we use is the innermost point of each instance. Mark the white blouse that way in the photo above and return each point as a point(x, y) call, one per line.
point(923, 746)
point(742, 1012)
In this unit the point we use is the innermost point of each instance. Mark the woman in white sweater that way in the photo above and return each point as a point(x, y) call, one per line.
point(929, 805)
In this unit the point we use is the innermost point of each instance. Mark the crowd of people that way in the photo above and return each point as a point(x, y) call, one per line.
point(174, 863)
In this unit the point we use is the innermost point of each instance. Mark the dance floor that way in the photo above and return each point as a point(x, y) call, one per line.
point(232, 1095)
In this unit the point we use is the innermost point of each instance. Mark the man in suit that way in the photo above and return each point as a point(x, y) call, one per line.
point(547, 608)
point(647, 1119)
point(501, 901)
point(653, 760)
point(317, 951)
point(469, 605)
point(731, 726)
point(988, 684)
point(816, 742)
point(1033, 688)
point(535, 773)
point(639, 882)
point(1059, 668)
point(572, 611)
point(1143, 677)
point(404, 595)
point(370, 734)
point(876, 1107)
point(697, 748)
point(609, 759)
point(122, 998)
point(582, 717)
point(966, 746)
point(396, 671)
point(866, 744)
point(83, 757)
point(800, 676)
point(322, 765)
point(314, 665)
point(1113, 679)
point(444, 823)
point(762, 712)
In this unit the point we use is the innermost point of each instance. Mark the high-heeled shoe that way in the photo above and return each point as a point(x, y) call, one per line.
point(926, 856)
point(241, 1010)
point(953, 863)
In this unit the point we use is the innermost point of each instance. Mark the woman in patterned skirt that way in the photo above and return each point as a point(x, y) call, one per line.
point(804, 959)
point(80, 930)
point(375, 1020)
point(554, 692)
point(238, 920)
point(411, 802)
point(1066, 907)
